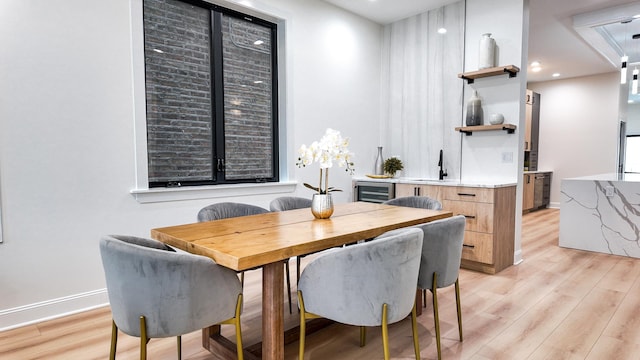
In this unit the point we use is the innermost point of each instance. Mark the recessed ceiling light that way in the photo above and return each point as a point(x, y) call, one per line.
point(536, 69)
point(555, 74)
point(535, 64)
point(442, 31)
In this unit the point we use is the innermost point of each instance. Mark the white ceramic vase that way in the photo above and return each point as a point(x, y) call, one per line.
point(487, 52)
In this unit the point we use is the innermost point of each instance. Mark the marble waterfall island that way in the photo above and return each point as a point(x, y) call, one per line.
point(601, 213)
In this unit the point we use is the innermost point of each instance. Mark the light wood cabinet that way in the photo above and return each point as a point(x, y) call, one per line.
point(490, 226)
point(432, 191)
point(528, 194)
point(490, 229)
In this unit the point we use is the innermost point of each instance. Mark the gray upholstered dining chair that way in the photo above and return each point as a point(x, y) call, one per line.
point(226, 210)
point(156, 291)
point(440, 263)
point(285, 203)
point(420, 202)
point(367, 284)
point(423, 202)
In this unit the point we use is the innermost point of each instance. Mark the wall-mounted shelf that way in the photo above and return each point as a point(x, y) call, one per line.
point(512, 70)
point(468, 130)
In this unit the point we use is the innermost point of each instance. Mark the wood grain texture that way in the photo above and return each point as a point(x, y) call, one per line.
point(557, 304)
point(251, 241)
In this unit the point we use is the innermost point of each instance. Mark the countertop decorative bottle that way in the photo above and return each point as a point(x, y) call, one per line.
point(487, 52)
point(474, 110)
point(378, 167)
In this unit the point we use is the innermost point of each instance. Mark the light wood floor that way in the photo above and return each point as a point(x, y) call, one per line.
point(557, 304)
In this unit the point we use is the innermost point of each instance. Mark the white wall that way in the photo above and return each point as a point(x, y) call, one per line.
point(578, 127)
point(633, 119)
point(67, 132)
point(485, 155)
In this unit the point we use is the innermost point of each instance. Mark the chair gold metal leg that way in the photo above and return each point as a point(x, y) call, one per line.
point(239, 347)
point(363, 336)
point(436, 318)
point(459, 308)
point(286, 268)
point(414, 330)
point(179, 339)
point(385, 332)
point(143, 338)
point(114, 340)
point(235, 321)
point(303, 327)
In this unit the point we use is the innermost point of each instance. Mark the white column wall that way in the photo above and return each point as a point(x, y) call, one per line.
point(496, 155)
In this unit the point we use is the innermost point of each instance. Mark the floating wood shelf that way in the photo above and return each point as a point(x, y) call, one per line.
point(468, 130)
point(512, 70)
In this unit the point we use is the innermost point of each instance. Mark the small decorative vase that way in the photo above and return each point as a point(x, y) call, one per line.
point(487, 52)
point(379, 166)
point(496, 119)
point(474, 111)
point(322, 206)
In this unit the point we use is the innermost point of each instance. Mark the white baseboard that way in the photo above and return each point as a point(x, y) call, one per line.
point(517, 257)
point(554, 205)
point(51, 309)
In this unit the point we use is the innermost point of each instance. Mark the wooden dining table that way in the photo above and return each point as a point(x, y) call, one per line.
point(267, 240)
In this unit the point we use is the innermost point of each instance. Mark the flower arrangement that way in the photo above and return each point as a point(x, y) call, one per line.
point(392, 165)
point(331, 148)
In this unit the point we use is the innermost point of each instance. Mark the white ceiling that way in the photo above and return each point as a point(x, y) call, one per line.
point(553, 40)
point(388, 11)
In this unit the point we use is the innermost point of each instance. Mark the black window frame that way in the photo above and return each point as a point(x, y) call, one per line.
point(217, 99)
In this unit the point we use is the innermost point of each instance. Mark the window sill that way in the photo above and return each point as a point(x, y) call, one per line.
point(155, 195)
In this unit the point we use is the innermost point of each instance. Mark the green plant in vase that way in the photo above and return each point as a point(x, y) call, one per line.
point(392, 165)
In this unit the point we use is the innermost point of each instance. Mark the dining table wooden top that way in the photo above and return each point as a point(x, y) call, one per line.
point(247, 242)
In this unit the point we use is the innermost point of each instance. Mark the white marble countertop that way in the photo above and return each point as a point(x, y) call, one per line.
point(446, 182)
point(610, 177)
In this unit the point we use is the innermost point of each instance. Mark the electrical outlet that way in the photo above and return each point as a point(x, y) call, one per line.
point(609, 191)
point(507, 157)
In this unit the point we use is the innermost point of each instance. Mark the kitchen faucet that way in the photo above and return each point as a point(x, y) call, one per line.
point(443, 173)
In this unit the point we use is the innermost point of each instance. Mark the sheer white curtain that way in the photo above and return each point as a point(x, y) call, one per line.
point(421, 94)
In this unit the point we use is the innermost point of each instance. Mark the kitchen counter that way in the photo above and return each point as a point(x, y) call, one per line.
point(601, 213)
point(536, 172)
point(446, 182)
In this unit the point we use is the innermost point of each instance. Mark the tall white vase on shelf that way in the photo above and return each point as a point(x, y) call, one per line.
point(487, 58)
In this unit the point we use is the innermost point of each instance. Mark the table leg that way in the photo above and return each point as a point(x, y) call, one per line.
point(419, 302)
point(272, 311)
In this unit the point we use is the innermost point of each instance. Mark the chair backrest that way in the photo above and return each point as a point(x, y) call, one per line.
point(177, 292)
point(225, 210)
point(422, 202)
point(349, 285)
point(441, 251)
point(285, 203)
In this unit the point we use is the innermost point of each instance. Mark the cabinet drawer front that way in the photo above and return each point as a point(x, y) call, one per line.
point(479, 215)
point(473, 194)
point(478, 247)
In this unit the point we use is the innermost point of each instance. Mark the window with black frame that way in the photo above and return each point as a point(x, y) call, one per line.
point(211, 95)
